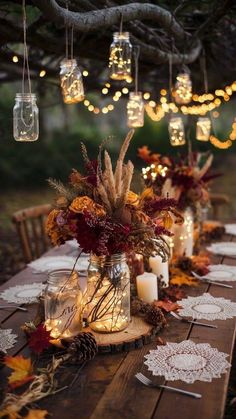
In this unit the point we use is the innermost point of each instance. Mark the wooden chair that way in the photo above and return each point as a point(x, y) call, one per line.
point(217, 201)
point(30, 226)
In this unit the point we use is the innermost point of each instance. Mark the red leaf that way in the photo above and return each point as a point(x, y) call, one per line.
point(40, 339)
point(167, 305)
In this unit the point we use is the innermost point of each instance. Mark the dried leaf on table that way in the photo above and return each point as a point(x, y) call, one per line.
point(36, 414)
point(178, 277)
point(40, 339)
point(22, 370)
point(167, 305)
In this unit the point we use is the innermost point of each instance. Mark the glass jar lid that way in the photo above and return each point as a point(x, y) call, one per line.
point(121, 36)
point(28, 97)
point(63, 277)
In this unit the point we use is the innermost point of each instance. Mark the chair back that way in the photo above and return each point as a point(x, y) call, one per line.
point(30, 227)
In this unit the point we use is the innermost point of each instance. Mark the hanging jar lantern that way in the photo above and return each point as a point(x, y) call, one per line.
point(120, 56)
point(25, 117)
point(183, 89)
point(135, 110)
point(176, 131)
point(203, 129)
point(71, 81)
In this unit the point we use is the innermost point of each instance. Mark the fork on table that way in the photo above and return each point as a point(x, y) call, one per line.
point(182, 319)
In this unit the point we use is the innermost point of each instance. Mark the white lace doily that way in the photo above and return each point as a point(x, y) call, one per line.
point(221, 273)
point(207, 307)
point(7, 339)
point(23, 294)
point(230, 229)
point(49, 263)
point(187, 361)
point(223, 248)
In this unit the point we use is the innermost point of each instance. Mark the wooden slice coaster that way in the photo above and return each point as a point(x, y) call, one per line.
point(137, 334)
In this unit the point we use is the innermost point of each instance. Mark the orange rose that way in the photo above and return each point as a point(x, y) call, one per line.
point(84, 203)
point(132, 199)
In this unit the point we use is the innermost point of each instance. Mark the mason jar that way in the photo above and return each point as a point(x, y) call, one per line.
point(25, 117)
point(203, 129)
point(184, 235)
point(120, 56)
point(63, 304)
point(108, 293)
point(71, 81)
point(183, 89)
point(176, 131)
point(135, 110)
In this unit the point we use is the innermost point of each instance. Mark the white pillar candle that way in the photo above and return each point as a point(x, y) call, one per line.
point(147, 287)
point(160, 268)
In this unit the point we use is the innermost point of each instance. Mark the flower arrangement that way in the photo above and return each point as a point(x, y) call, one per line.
point(101, 212)
point(186, 178)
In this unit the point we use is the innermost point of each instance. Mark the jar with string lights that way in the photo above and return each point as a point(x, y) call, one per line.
point(71, 81)
point(25, 111)
point(25, 118)
point(176, 131)
point(183, 89)
point(183, 235)
point(120, 56)
point(135, 105)
point(203, 129)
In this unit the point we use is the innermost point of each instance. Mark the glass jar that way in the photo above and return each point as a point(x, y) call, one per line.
point(135, 110)
point(176, 131)
point(63, 304)
point(25, 117)
point(203, 129)
point(183, 89)
point(184, 235)
point(120, 56)
point(71, 82)
point(108, 293)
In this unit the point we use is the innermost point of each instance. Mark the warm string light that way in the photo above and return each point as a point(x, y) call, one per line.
point(151, 172)
point(226, 143)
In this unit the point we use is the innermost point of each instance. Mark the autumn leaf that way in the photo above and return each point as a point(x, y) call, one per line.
point(167, 305)
point(36, 414)
point(10, 413)
point(22, 370)
point(40, 339)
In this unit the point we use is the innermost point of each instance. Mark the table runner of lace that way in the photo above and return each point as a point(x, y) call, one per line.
point(23, 294)
point(187, 361)
point(7, 339)
point(207, 307)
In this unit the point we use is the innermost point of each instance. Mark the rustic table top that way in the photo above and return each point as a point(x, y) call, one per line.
point(106, 387)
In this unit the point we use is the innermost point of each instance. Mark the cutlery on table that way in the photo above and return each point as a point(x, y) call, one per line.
point(144, 380)
point(209, 281)
point(3, 306)
point(182, 319)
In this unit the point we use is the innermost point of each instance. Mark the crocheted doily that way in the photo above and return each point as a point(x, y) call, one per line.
point(223, 248)
point(49, 263)
point(221, 273)
point(7, 339)
point(230, 229)
point(23, 294)
point(207, 307)
point(187, 361)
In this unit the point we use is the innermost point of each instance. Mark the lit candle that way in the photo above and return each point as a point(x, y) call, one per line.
point(161, 269)
point(147, 287)
point(183, 236)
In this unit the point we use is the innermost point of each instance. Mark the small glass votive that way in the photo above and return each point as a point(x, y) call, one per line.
point(63, 304)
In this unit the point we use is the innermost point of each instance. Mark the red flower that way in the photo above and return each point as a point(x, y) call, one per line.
point(40, 339)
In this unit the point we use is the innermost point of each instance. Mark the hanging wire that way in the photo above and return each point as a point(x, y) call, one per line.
point(205, 80)
point(136, 59)
point(171, 70)
point(25, 53)
point(66, 29)
point(121, 23)
point(72, 43)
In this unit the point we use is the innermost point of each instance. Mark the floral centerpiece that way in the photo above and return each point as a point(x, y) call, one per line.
point(108, 220)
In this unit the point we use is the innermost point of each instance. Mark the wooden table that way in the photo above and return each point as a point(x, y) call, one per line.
point(106, 387)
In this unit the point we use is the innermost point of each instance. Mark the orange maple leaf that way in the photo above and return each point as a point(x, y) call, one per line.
point(167, 305)
point(36, 414)
point(22, 370)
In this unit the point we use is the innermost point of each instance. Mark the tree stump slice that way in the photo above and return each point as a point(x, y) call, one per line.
point(136, 335)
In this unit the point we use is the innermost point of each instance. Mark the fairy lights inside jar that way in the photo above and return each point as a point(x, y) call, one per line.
point(135, 110)
point(120, 56)
point(176, 131)
point(183, 89)
point(203, 129)
point(71, 81)
point(25, 118)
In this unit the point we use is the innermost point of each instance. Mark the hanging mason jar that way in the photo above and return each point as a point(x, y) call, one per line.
point(176, 131)
point(71, 81)
point(135, 110)
point(108, 293)
point(63, 304)
point(120, 56)
point(25, 117)
point(183, 235)
point(203, 129)
point(183, 89)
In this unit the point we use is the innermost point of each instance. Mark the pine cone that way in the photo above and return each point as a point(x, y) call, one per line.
point(139, 306)
point(2, 356)
point(185, 264)
point(82, 348)
point(155, 316)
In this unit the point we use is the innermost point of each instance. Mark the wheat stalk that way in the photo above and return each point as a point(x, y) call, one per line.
point(61, 188)
point(119, 164)
point(110, 178)
point(128, 174)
